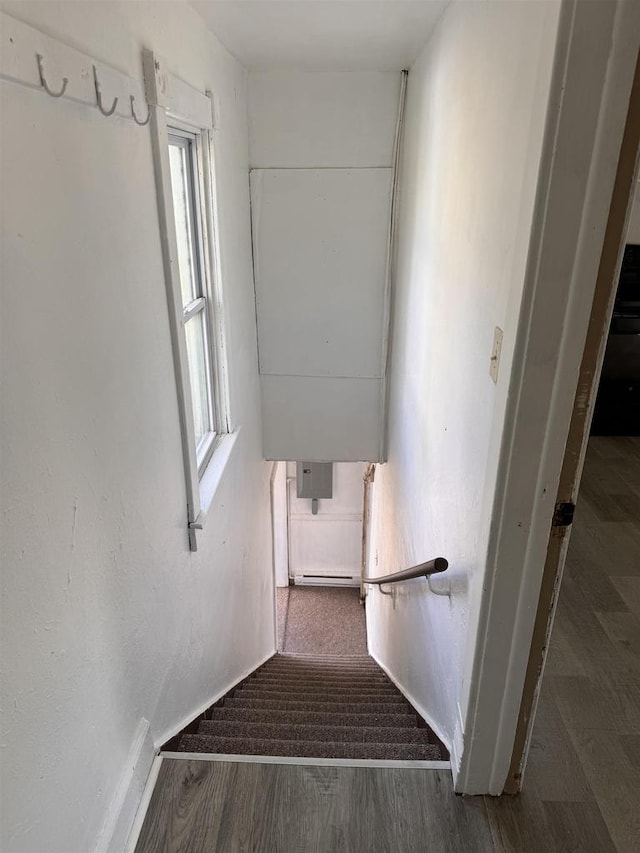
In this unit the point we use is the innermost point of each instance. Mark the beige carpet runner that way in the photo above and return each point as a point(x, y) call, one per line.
point(319, 707)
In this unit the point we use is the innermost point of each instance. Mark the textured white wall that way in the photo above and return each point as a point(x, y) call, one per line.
point(476, 105)
point(321, 150)
point(107, 618)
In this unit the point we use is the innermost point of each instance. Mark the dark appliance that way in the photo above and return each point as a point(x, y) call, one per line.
point(617, 410)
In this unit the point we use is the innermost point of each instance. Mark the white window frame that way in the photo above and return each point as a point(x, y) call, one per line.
point(177, 110)
point(202, 304)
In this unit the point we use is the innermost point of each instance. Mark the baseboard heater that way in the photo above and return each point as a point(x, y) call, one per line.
point(325, 580)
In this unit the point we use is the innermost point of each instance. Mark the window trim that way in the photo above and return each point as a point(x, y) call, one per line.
point(177, 109)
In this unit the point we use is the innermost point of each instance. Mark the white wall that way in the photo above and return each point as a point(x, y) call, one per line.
point(107, 618)
point(321, 154)
point(476, 106)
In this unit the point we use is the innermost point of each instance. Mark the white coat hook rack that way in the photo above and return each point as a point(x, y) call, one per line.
point(43, 80)
point(133, 113)
point(104, 112)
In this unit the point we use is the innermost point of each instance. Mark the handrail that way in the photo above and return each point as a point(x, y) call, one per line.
point(423, 570)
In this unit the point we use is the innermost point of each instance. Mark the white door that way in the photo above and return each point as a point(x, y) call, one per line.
point(327, 548)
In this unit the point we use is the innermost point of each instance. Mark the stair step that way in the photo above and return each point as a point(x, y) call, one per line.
point(292, 695)
point(310, 749)
point(312, 669)
point(321, 690)
point(315, 717)
point(362, 663)
point(324, 678)
point(310, 732)
point(353, 707)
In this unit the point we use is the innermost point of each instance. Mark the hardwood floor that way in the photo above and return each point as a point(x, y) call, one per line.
point(582, 784)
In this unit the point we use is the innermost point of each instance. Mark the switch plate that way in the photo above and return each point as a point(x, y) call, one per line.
point(496, 350)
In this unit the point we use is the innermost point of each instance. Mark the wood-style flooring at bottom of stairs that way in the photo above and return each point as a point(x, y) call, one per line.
point(202, 806)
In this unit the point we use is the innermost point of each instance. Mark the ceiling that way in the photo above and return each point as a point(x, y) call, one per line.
point(322, 35)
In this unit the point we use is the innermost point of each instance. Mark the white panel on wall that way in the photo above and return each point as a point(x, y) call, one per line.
point(307, 120)
point(320, 249)
point(320, 419)
point(325, 546)
point(329, 544)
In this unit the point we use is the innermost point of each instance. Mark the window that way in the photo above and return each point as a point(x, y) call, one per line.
point(181, 122)
point(194, 291)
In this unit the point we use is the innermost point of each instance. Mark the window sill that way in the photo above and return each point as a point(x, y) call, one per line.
point(213, 472)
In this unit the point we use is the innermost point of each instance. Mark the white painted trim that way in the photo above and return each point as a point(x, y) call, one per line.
point(19, 44)
point(182, 102)
point(597, 49)
point(414, 702)
point(274, 596)
point(309, 762)
point(125, 803)
point(214, 471)
point(143, 807)
point(325, 580)
point(175, 730)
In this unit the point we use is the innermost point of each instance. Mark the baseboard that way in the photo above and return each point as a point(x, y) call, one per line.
point(124, 805)
point(457, 746)
point(149, 788)
point(425, 716)
point(175, 730)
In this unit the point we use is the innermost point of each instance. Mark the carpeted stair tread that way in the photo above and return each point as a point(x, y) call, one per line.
point(318, 669)
point(309, 749)
point(284, 677)
point(385, 693)
point(316, 707)
point(312, 704)
point(366, 664)
point(335, 664)
point(285, 731)
point(292, 718)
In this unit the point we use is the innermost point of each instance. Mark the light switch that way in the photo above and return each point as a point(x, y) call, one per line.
point(495, 354)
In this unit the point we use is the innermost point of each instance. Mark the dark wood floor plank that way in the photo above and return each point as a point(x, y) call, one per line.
point(615, 781)
point(204, 806)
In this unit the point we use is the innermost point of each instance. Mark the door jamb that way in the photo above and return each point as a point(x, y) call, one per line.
point(584, 403)
point(597, 49)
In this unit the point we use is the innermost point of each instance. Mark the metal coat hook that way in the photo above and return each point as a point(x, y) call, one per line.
point(43, 80)
point(135, 117)
point(104, 112)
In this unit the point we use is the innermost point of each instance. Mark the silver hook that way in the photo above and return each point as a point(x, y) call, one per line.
point(104, 112)
point(135, 117)
point(43, 80)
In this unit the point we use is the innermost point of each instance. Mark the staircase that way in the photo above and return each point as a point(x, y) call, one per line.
point(319, 707)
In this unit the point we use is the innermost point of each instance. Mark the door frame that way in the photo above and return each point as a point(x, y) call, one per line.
point(579, 428)
point(596, 52)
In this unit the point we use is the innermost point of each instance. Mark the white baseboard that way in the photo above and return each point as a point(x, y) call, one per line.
point(136, 828)
point(175, 730)
point(124, 805)
point(457, 745)
point(413, 701)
